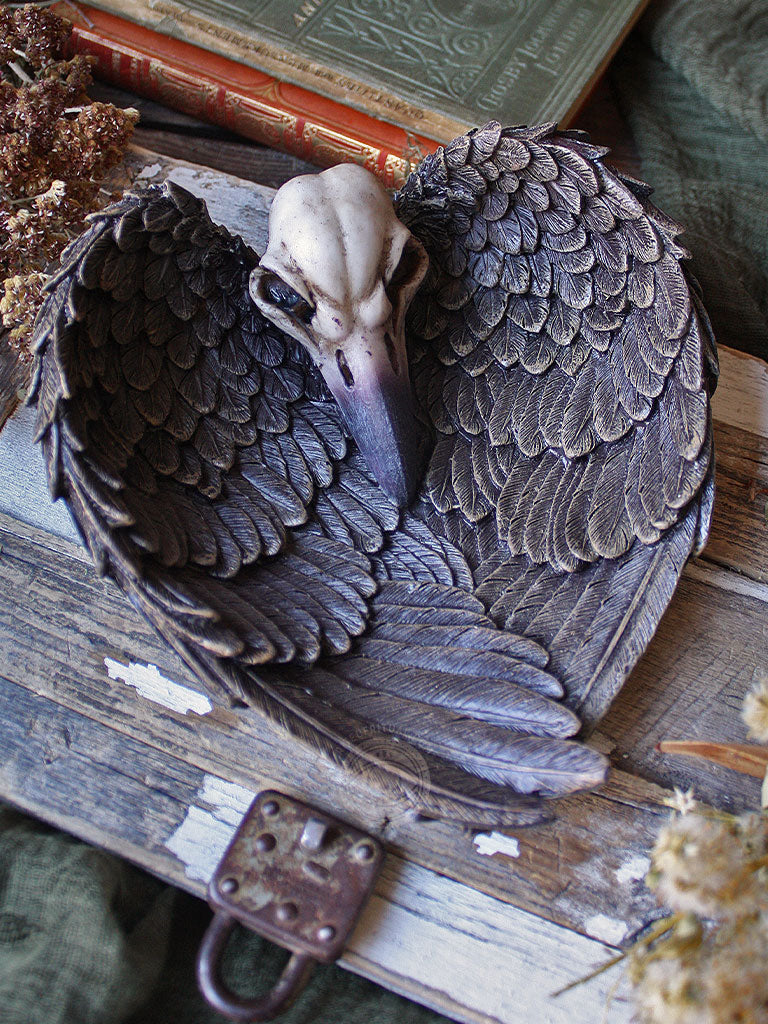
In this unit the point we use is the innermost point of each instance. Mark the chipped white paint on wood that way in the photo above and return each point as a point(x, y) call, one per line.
point(150, 171)
point(606, 929)
point(199, 842)
point(149, 682)
point(431, 938)
point(434, 939)
point(201, 839)
point(633, 870)
point(229, 799)
point(741, 399)
point(725, 579)
point(489, 843)
point(475, 957)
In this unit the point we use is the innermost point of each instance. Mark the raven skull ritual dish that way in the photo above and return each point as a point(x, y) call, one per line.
point(422, 478)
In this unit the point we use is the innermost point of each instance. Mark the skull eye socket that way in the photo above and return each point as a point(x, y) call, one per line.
point(409, 268)
point(288, 299)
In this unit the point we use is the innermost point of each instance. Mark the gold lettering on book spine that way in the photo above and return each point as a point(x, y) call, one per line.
point(306, 10)
point(261, 120)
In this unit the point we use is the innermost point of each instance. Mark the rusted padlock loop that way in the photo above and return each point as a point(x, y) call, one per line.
point(247, 1011)
point(296, 876)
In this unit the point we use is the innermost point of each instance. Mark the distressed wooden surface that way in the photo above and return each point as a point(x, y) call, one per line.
point(66, 630)
point(12, 377)
point(99, 736)
point(422, 934)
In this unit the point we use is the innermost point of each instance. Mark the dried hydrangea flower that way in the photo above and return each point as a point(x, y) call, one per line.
point(18, 307)
point(701, 865)
point(55, 149)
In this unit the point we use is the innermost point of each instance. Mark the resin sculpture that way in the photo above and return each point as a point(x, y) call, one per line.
point(418, 484)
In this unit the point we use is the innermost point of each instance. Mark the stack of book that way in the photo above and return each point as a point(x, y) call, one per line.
point(380, 82)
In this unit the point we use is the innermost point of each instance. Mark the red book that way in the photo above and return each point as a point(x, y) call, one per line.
point(247, 101)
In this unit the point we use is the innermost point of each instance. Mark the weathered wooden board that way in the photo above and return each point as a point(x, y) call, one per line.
point(690, 684)
point(713, 641)
point(423, 935)
point(108, 735)
point(739, 537)
point(70, 636)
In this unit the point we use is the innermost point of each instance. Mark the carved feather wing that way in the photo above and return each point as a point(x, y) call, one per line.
point(209, 473)
point(189, 438)
point(454, 651)
point(565, 362)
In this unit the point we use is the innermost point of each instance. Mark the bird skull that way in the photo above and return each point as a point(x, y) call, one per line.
point(338, 275)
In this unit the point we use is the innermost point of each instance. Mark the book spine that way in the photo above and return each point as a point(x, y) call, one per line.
point(254, 117)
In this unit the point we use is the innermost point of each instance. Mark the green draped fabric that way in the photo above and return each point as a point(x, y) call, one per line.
point(692, 83)
point(87, 939)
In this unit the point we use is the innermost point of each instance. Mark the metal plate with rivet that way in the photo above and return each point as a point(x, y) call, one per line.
point(296, 876)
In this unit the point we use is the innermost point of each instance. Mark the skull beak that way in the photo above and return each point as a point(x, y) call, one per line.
point(338, 275)
point(369, 380)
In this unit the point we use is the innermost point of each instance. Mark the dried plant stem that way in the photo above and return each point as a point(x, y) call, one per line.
point(19, 71)
point(660, 928)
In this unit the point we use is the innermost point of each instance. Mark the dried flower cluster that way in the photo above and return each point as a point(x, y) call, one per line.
point(755, 716)
point(55, 149)
point(755, 710)
point(708, 962)
point(21, 298)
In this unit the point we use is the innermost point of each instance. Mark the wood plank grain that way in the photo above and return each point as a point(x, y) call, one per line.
point(68, 635)
point(472, 934)
point(690, 683)
point(741, 398)
point(433, 939)
point(535, 880)
point(739, 534)
point(231, 155)
point(61, 622)
point(12, 378)
point(705, 636)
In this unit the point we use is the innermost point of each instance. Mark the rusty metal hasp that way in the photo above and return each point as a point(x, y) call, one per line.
point(296, 876)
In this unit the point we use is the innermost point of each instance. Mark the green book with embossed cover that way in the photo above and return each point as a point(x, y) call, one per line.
point(432, 67)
